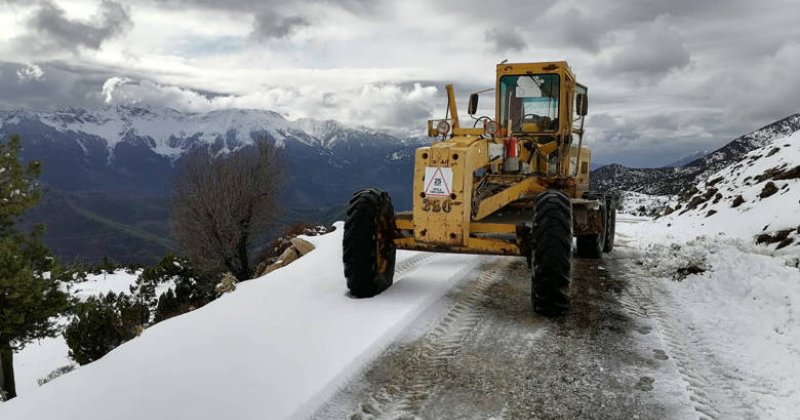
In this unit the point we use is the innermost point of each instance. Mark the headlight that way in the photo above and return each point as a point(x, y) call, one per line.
point(491, 128)
point(443, 127)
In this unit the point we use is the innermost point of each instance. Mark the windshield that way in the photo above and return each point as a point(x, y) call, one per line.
point(529, 103)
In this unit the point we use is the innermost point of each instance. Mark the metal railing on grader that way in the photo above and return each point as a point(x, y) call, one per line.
point(515, 184)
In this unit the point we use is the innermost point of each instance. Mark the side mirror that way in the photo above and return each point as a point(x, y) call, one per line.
point(582, 104)
point(472, 107)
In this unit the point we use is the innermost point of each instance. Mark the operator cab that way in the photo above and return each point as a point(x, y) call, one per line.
point(529, 103)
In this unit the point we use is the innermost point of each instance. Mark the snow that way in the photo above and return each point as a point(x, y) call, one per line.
point(276, 347)
point(744, 305)
point(37, 360)
point(166, 127)
point(101, 284)
point(281, 345)
point(41, 357)
point(744, 309)
point(756, 215)
point(640, 204)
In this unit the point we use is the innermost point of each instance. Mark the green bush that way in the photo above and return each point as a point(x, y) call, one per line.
point(102, 324)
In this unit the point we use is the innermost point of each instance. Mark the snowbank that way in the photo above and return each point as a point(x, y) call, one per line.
point(737, 316)
point(733, 303)
point(271, 349)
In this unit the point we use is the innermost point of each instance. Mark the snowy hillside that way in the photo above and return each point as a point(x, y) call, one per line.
point(40, 358)
point(669, 180)
point(755, 199)
point(639, 204)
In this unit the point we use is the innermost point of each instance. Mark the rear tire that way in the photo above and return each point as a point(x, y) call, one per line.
point(552, 253)
point(611, 225)
point(368, 249)
point(591, 246)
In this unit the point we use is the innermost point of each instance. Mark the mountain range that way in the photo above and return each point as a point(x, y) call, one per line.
point(673, 180)
point(691, 157)
point(108, 172)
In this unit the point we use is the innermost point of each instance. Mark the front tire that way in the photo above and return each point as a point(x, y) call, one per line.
point(552, 253)
point(368, 249)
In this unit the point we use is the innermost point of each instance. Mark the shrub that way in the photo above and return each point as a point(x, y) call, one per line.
point(190, 289)
point(102, 324)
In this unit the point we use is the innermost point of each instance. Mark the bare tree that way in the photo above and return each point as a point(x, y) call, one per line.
point(222, 203)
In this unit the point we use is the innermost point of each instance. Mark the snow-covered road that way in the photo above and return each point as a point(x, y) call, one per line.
point(482, 354)
point(637, 343)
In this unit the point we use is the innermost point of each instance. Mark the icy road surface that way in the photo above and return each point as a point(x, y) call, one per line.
point(628, 349)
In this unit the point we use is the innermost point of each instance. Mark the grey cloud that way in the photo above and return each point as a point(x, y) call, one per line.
point(59, 88)
point(250, 5)
point(55, 30)
point(269, 25)
point(275, 19)
point(281, 7)
point(655, 140)
point(66, 85)
point(758, 94)
point(586, 25)
point(505, 39)
point(650, 52)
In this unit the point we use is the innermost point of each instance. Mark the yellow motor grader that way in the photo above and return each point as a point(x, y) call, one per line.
point(515, 184)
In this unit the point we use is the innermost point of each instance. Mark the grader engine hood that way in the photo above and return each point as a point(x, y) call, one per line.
point(442, 190)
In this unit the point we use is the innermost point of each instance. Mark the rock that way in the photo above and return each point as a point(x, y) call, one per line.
point(298, 248)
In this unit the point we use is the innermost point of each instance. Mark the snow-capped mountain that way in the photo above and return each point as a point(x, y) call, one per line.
point(667, 180)
point(170, 133)
point(99, 164)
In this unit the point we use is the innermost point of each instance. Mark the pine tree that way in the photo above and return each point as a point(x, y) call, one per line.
point(29, 299)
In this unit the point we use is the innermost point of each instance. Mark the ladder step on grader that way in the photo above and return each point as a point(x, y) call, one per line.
point(515, 184)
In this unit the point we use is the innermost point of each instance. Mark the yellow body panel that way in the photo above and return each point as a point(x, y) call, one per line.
point(445, 220)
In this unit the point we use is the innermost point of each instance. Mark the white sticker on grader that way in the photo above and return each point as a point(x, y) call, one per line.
point(438, 181)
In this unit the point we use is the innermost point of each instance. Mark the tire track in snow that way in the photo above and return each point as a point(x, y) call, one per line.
point(412, 263)
point(714, 389)
point(640, 304)
point(443, 342)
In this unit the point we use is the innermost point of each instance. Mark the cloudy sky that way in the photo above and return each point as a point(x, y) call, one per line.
point(665, 78)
